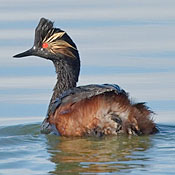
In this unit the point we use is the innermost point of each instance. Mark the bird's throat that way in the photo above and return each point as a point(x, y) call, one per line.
point(66, 79)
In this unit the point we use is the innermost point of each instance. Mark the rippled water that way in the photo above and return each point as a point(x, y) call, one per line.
point(131, 43)
point(24, 150)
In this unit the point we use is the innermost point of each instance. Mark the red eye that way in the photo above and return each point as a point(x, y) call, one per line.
point(45, 45)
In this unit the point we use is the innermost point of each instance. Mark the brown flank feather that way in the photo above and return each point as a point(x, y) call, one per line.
point(96, 116)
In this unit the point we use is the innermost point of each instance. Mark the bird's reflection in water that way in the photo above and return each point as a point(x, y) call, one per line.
point(98, 155)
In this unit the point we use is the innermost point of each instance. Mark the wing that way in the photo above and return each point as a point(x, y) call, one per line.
point(79, 93)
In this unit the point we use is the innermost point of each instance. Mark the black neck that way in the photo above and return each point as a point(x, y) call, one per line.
point(67, 77)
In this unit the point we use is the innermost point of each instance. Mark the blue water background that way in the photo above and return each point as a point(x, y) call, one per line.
point(130, 43)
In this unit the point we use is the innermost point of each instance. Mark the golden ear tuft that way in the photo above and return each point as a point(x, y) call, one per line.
point(55, 36)
point(61, 46)
point(56, 45)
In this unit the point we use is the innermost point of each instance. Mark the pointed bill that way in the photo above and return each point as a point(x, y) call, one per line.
point(24, 54)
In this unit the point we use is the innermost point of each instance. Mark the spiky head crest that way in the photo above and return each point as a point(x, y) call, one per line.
point(53, 40)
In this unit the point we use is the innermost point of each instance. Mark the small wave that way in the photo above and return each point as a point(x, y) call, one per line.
point(20, 129)
point(12, 137)
point(166, 128)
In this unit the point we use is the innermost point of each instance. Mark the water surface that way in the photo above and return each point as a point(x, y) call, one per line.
point(24, 149)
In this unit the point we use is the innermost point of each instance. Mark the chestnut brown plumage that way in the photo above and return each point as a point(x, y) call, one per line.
point(91, 110)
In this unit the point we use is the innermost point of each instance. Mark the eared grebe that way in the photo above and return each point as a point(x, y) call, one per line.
point(91, 110)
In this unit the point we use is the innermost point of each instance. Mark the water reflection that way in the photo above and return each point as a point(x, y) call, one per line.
point(93, 155)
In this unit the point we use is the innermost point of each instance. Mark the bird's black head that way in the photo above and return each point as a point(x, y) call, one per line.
point(51, 43)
